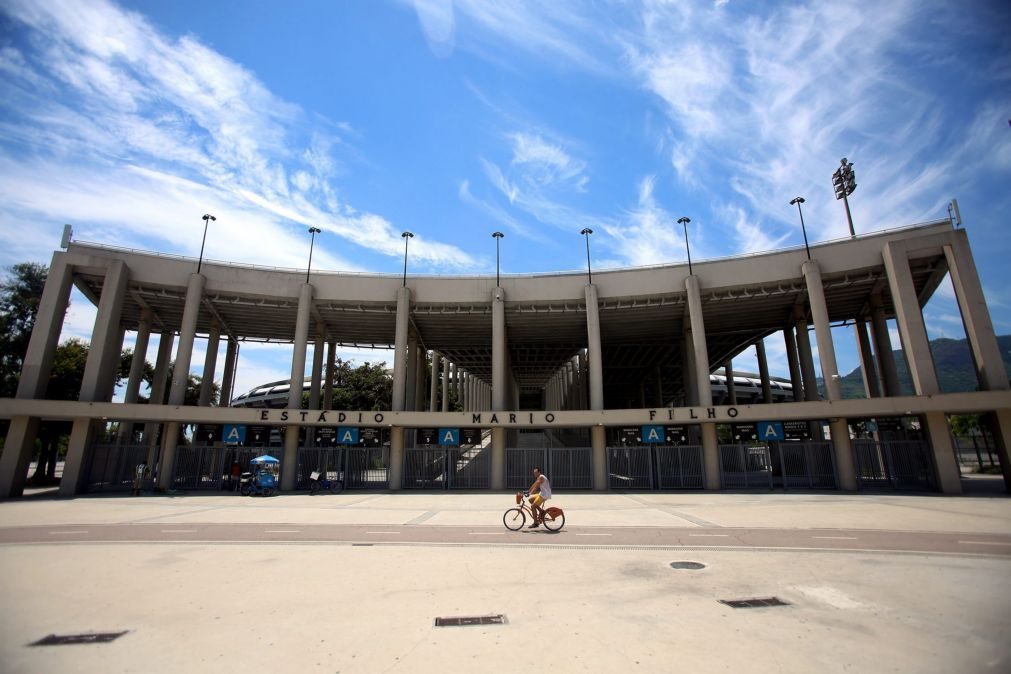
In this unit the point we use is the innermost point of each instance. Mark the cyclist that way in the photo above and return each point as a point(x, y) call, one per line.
point(540, 491)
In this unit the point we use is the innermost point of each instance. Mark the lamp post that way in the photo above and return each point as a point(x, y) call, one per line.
point(844, 181)
point(589, 273)
point(497, 236)
point(406, 236)
point(684, 221)
point(208, 218)
point(799, 201)
point(313, 231)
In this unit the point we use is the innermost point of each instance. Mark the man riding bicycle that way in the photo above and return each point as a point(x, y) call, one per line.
point(540, 491)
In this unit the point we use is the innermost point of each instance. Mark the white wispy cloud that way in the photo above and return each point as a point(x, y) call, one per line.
point(98, 90)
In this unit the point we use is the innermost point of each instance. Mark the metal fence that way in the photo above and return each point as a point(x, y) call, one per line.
point(367, 468)
point(745, 466)
point(630, 467)
point(112, 466)
point(679, 467)
point(209, 468)
point(894, 464)
point(655, 467)
point(807, 465)
point(327, 461)
point(566, 467)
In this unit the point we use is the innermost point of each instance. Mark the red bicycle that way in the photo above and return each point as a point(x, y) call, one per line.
point(515, 518)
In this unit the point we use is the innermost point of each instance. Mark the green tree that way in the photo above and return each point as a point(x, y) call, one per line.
point(366, 387)
point(20, 294)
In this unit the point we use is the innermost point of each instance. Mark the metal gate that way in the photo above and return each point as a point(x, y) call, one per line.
point(447, 468)
point(112, 466)
point(208, 468)
point(630, 467)
point(367, 468)
point(894, 464)
point(745, 466)
point(807, 465)
point(566, 467)
point(328, 461)
point(679, 467)
point(469, 467)
point(425, 468)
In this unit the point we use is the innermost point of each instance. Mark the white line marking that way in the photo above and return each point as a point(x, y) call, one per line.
point(710, 535)
point(178, 531)
point(594, 534)
point(486, 533)
point(983, 543)
point(281, 531)
point(67, 532)
point(385, 533)
point(837, 538)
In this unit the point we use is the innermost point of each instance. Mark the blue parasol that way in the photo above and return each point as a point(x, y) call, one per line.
point(266, 458)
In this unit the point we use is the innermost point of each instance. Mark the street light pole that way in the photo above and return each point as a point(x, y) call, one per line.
point(207, 219)
point(497, 235)
point(684, 221)
point(844, 181)
point(589, 273)
point(313, 231)
point(799, 201)
point(407, 236)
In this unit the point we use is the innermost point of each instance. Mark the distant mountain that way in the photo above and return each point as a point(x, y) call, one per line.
point(955, 371)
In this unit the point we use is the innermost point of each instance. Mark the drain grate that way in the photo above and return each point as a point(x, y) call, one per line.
point(758, 602)
point(67, 639)
point(471, 620)
point(687, 565)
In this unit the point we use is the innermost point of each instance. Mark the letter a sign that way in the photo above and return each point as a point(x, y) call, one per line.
point(234, 434)
point(653, 434)
point(449, 437)
point(770, 430)
point(347, 435)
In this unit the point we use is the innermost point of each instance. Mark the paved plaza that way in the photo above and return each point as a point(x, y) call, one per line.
point(354, 582)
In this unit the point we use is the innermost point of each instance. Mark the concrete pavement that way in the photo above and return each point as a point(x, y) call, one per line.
point(335, 606)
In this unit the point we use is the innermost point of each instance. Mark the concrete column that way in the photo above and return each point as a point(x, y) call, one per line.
point(331, 364)
point(400, 352)
point(499, 347)
point(593, 349)
point(433, 396)
point(598, 457)
point(728, 372)
point(210, 365)
point(710, 457)
point(455, 371)
point(103, 358)
point(396, 458)
point(867, 367)
point(187, 332)
point(412, 374)
point(584, 382)
point(158, 386)
point(822, 329)
point(445, 384)
point(700, 352)
point(763, 371)
point(806, 361)
point(910, 320)
point(979, 330)
point(688, 370)
point(999, 422)
point(949, 479)
point(796, 383)
point(883, 348)
point(228, 377)
point(842, 449)
point(136, 375)
point(289, 461)
point(316, 378)
point(420, 373)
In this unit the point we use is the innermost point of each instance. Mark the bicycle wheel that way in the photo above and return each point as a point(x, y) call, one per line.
point(554, 519)
point(514, 519)
point(336, 487)
point(314, 487)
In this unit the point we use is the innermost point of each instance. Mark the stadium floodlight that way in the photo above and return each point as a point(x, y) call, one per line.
point(207, 219)
point(844, 181)
point(313, 231)
point(589, 274)
point(684, 221)
point(407, 236)
point(497, 236)
point(799, 201)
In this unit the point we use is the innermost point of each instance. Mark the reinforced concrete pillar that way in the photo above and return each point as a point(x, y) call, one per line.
point(158, 387)
point(949, 478)
point(728, 372)
point(822, 329)
point(433, 402)
point(704, 391)
point(763, 371)
point(867, 367)
point(331, 363)
point(915, 345)
point(710, 457)
point(289, 461)
point(132, 392)
point(593, 349)
point(396, 458)
point(806, 361)
point(445, 384)
point(883, 348)
point(210, 365)
point(843, 454)
point(228, 376)
point(499, 386)
point(400, 351)
point(412, 374)
point(792, 359)
point(316, 379)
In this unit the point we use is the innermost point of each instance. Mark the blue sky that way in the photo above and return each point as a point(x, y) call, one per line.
point(457, 118)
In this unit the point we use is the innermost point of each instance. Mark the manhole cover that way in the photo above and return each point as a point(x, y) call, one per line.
point(67, 639)
point(687, 565)
point(471, 620)
point(758, 602)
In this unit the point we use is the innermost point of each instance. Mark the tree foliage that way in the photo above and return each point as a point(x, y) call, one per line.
point(365, 387)
point(20, 294)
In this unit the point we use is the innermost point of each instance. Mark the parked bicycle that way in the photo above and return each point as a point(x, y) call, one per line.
point(319, 481)
point(515, 518)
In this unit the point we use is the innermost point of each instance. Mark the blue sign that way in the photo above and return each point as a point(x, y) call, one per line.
point(233, 434)
point(871, 426)
point(653, 434)
point(770, 430)
point(449, 437)
point(347, 435)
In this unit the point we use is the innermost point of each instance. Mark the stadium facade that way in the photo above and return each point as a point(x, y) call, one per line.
point(609, 382)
